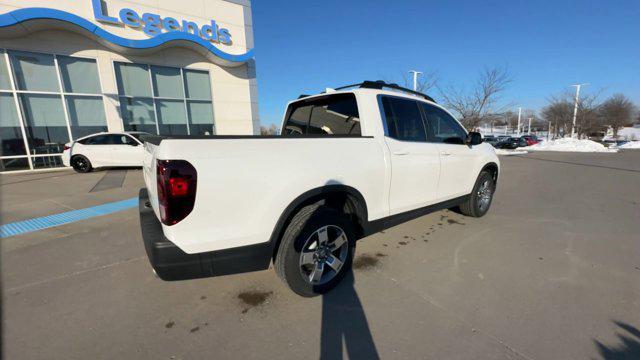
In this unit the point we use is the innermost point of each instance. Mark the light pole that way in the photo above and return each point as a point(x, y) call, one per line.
point(519, 117)
point(575, 108)
point(506, 123)
point(529, 128)
point(415, 79)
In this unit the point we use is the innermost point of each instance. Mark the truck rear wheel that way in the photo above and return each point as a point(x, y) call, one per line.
point(316, 250)
point(481, 197)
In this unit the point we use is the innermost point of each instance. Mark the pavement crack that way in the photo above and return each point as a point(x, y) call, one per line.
point(103, 267)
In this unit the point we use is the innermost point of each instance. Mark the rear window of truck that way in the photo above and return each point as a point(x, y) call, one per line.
point(328, 115)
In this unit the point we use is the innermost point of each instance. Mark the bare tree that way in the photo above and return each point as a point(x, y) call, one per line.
point(474, 105)
point(559, 113)
point(617, 112)
point(271, 130)
point(588, 122)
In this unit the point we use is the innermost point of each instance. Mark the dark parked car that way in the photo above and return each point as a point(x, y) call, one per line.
point(511, 143)
point(491, 140)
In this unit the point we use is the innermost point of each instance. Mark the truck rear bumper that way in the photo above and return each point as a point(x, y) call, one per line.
point(171, 263)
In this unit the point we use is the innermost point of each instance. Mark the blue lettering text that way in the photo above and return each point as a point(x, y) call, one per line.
point(153, 24)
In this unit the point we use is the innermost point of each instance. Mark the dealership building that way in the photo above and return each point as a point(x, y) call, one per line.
point(70, 68)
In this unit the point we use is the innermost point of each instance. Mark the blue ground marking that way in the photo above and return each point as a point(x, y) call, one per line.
point(25, 226)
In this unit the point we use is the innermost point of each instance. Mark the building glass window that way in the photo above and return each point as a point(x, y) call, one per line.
point(79, 76)
point(172, 117)
point(200, 115)
point(34, 72)
point(10, 133)
point(46, 162)
point(133, 80)
point(138, 114)
point(197, 84)
point(14, 164)
point(58, 100)
point(45, 123)
point(167, 82)
point(86, 115)
point(165, 100)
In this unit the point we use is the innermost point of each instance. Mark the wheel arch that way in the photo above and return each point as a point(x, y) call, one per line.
point(342, 197)
point(493, 169)
point(73, 156)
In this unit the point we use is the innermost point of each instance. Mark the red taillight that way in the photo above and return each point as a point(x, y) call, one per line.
point(177, 180)
point(65, 148)
point(179, 187)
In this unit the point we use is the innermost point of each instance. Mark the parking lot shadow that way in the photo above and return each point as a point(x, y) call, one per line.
point(344, 321)
point(629, 347)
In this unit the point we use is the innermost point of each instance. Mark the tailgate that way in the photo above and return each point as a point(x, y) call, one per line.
point(149, 173)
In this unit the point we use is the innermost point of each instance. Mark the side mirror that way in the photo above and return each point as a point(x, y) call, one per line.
point(473, 138)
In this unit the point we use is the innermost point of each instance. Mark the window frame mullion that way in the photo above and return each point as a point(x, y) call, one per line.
point(184, 100)
point(63, 97)
point(27, 148)
point(153, 100)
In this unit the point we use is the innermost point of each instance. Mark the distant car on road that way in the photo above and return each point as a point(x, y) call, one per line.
point(531, 139)
point(104, 150)
point(511, 143)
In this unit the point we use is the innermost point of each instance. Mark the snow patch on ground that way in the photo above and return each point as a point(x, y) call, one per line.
point(571, 145)
point(630, 145)
point(507, 152)
point(626, 133)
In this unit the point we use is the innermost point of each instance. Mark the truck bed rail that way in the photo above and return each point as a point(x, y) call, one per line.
point(157, 139)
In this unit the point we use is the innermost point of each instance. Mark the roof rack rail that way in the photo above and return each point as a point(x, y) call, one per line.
point(379, 84)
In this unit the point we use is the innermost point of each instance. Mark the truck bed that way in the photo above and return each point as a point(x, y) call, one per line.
point(246, 182)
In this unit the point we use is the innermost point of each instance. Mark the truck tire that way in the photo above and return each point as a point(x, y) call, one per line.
point(481, 197)
point(316, 250)
point(81, 164)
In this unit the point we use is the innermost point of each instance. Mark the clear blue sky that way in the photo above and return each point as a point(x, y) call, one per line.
point(305, 46)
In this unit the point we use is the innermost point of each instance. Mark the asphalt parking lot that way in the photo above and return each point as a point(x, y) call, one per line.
point(552, 272)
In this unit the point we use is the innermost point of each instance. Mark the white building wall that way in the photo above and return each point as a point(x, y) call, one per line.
point(234, 89)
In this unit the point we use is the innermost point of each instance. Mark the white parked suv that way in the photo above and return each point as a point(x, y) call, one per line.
point(104, 150)
point(349, 162)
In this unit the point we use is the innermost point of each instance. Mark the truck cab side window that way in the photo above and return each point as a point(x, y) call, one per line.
point(404, 121)
point(328, 115)
point(335, 115)
point(298, 119)
point(443, 128)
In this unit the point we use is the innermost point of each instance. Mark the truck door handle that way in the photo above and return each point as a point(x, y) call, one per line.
point(445, 153)
point(401, 152)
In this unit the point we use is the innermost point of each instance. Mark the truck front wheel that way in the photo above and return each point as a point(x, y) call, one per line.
point(316, 250)
point(481, 197)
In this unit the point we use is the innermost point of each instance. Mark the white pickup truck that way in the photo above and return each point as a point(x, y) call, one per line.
point(349, 162)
